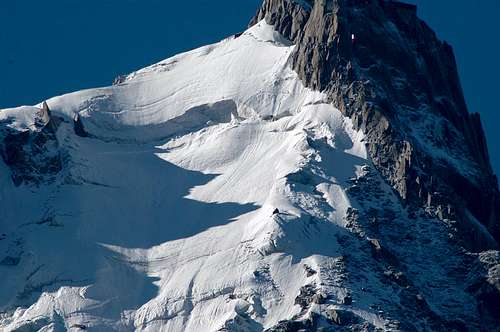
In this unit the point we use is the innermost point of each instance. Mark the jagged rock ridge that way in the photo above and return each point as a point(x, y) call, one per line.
point(386, 69)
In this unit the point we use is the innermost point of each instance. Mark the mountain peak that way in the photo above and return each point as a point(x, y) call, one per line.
point(318, 171)
point(386, 69)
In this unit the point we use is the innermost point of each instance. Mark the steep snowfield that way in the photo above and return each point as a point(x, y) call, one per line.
point(162, 219)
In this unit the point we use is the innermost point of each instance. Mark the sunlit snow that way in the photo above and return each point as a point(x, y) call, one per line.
point(163, 217)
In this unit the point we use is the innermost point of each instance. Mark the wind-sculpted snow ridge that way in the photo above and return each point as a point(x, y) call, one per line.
point(214, 192)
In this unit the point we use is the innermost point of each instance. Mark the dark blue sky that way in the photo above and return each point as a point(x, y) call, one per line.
point(56, 46)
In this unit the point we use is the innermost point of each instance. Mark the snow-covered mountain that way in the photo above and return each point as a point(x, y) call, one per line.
point(292, 177)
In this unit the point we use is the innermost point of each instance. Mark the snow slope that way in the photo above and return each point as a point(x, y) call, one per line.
point(162, 218)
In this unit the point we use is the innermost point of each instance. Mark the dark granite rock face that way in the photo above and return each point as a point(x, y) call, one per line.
point(78, 127)
point(33, 155)
point(341, 317)
point(288, 17)
point(485, 285)
point(385, 68)
point(309, 324)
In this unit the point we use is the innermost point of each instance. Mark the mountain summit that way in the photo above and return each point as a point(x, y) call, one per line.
point(385, 69)
point(317, 172)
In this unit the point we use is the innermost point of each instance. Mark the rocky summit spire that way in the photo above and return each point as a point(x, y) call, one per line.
point(385, 69)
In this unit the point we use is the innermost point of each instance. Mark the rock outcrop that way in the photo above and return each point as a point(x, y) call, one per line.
point(33, 155)
point(385, 68)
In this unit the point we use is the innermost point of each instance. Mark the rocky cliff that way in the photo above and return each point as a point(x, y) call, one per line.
point(32, 154)
point(385, 69)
